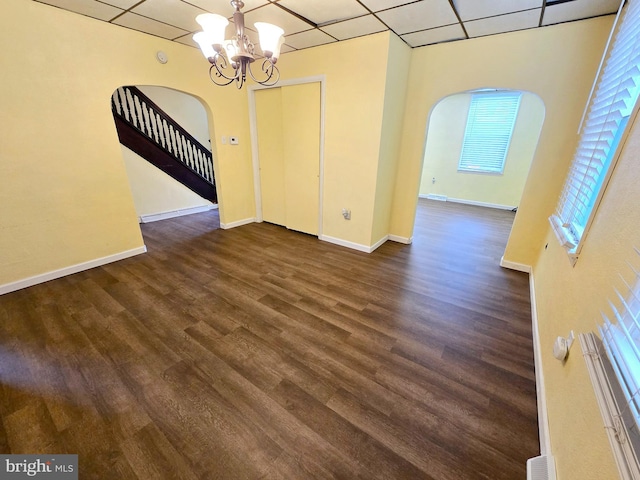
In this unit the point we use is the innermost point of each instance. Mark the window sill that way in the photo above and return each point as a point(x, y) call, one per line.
point(482, 172)
point(565, 239)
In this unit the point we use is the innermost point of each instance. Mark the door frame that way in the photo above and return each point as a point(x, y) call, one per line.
point(253, 128)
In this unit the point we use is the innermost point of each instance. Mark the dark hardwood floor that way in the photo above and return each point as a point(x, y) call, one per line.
point(260, 353)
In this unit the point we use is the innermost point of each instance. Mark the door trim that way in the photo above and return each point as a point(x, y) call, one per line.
point(253, 128)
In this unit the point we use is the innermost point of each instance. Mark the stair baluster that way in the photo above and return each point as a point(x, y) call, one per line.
point(134, 108)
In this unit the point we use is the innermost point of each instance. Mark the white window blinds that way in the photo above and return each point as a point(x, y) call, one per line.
point(621, 338)
point(614, 99)
point(492, 116)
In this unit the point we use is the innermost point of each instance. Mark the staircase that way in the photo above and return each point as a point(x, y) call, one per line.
point(147, 130)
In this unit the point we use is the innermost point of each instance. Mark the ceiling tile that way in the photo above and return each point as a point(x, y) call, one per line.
point(89, 8)
point(435, 35)
point(188, 40)
point(276, 15)
point(503, 23)
point(121, 3)
point(578, 9)
point(286, 48)
point(310, 38)
point(418, 22)
point(325, 11)
point(172, 12)
point(377, 5)
point(419, 16)
point(224, 8)
point(144, 24)
point(474, 9)
point(356, 27)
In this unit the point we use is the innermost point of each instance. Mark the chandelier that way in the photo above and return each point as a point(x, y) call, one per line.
point(231, 59)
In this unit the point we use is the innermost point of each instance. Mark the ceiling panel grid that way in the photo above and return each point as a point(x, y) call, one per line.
point(310, 23)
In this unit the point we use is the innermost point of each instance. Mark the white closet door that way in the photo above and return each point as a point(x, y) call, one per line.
point(288, 124)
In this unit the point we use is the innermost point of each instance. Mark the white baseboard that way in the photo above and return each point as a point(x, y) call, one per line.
point(379, 242)
point(444, 198)
point(364, 248)
point(239, 223)
point(63, 272)
point(433, 196)
point(481, 204)
point(405, 240)
point(543, 419)
point(154, 217)
point(345, 243)
point(520, 267)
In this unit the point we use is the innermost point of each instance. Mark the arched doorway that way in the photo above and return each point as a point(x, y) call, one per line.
point(164, 135)
point(442, 179)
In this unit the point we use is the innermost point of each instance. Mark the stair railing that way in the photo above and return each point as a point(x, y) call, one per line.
point(138, 110)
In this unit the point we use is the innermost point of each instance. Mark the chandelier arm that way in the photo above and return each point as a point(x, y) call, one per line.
point(219, 63)
point(273, 69)
point(214, 71)
point(268, 69)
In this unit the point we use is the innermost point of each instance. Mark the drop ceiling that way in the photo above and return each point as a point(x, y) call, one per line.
point(309, 23)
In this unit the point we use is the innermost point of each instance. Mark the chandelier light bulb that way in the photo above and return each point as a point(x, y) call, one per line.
point(276, 53)
point(206, 44)
point(214, 25)
point(269, 37)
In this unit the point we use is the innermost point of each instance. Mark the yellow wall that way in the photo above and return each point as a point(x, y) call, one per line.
point(571, 298)
point(556, 63)
point(154, 191)
point(65, 199)
point(399, 58)
point(447, 124)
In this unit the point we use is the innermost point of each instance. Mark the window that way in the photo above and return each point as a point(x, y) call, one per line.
point(621, 338)
point(609, 111)
point(490, 122)
point(614, 368)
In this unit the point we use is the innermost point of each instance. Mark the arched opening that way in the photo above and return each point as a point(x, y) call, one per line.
point(443, 179)
point(166, 149)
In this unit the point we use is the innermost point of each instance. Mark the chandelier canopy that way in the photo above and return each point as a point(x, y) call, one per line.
point(231, 59)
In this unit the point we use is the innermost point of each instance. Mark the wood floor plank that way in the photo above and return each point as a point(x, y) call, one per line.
point(152, 456)
point(310, 451)
point(415, 445)
point(261, 353)
point(380, 461)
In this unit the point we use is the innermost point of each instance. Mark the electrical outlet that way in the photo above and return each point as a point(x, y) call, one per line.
point(346, 213)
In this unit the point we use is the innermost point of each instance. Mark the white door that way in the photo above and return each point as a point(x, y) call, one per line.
point(288, 126)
